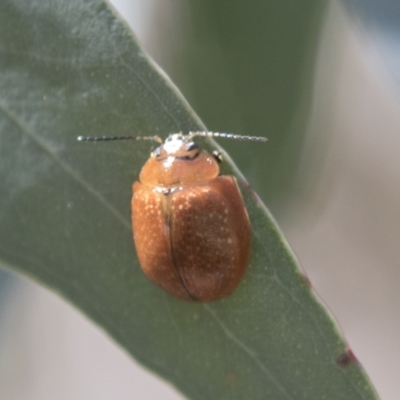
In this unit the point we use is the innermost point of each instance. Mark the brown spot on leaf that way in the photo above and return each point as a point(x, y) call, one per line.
point(231, 378)
point(251, 191)
point(347, 358)
point(307, 281)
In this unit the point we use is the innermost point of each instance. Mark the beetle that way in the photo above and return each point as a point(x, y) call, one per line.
point(191, 229)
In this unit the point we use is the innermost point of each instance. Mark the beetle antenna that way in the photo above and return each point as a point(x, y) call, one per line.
point(109, 138)
point(228, 136)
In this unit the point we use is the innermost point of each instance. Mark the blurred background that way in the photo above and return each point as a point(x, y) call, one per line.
point(321, 80)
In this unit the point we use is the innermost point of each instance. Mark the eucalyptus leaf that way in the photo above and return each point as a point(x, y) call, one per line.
point(70, 68)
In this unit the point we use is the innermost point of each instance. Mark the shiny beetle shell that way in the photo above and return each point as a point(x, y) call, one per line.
point(191, 228)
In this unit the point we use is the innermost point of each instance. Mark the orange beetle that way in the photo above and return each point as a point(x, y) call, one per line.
point(190, 225)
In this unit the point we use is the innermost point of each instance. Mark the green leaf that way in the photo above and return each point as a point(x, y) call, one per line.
point(70, 68)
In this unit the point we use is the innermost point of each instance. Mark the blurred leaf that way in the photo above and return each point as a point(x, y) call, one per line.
point(247, 66)
point(6, 280)
point(381, 21)
point(70, 68)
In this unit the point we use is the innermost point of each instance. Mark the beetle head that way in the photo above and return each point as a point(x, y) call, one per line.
point(177, 146)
